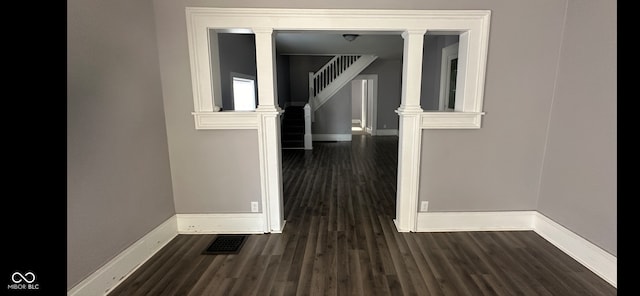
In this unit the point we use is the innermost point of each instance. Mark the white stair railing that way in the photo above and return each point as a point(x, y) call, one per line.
point(336, 73)
point(324, 83)
point(329, 72)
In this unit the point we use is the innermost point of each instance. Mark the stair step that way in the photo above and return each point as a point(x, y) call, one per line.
point(293, 135)
point(293, 144)
point(293, 126)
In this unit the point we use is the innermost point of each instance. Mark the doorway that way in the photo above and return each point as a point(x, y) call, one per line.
point(364, 107)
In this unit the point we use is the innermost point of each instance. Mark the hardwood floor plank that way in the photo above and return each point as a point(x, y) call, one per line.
point(423, 266)
point(202, 282)
point(340, 239)
point(268, 279)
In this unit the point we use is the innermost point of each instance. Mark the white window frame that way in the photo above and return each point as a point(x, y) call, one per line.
point(471, 25)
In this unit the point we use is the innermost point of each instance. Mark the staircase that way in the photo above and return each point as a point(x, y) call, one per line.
point(335, 74)
point(293, 129)
point(296, 121)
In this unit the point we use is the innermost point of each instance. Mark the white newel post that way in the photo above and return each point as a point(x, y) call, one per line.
point(269, 132)
point(308, 137)
point(410, 133)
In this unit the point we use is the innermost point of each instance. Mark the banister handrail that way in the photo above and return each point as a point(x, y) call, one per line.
point(330, 71)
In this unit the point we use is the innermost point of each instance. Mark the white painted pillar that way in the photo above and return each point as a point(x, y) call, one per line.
point(266, 69)
point(269, 148)
point(308, 137)
point(410, 133)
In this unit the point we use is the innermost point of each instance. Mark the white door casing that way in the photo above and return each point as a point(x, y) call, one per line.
point(471, 25)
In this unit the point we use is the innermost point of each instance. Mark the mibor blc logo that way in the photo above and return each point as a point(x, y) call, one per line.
point(23, 281)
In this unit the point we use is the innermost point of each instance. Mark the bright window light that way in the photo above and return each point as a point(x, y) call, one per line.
point(244, 94)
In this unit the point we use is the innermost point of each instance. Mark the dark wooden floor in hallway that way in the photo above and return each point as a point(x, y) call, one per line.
point(340, 239)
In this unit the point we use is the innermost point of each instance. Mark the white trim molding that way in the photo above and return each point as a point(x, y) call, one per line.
point(124, 264)
point(332, 137)
point(371, 118)
point(387, 132)
point(450, 120)
point(226, 120)
point(586, 253)
point(471, 25)
point(591, 256)
point(475, 221)
point(271, 170)
point(220, 223)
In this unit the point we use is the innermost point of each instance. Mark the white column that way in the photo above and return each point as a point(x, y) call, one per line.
point(308, 137)
point(269, 132)
point(266, 69)
point(410, 133)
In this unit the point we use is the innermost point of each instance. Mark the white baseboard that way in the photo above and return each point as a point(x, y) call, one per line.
point(474, 221)
point(220, 223)
point(386, 132)
point(356, 121)
point(124, 264)
point(332, 137)
point(591, 256)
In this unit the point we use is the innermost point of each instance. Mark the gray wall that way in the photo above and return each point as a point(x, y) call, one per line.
point(284, 91)
point(334, 117)
point(579, 178)
point(212, 171)
point(299, 68)
point(498, 166)
point(500, 163)
point(389, 90)
point(237, 54)
point(118, 174)
point(431, 69)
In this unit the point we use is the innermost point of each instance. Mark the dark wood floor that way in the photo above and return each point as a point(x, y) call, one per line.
point(340, 240)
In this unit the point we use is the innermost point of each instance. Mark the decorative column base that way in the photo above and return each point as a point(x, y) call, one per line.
point(270, 168)
point(409, 150)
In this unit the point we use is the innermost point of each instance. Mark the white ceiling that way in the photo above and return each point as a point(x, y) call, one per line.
point(382, 44)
